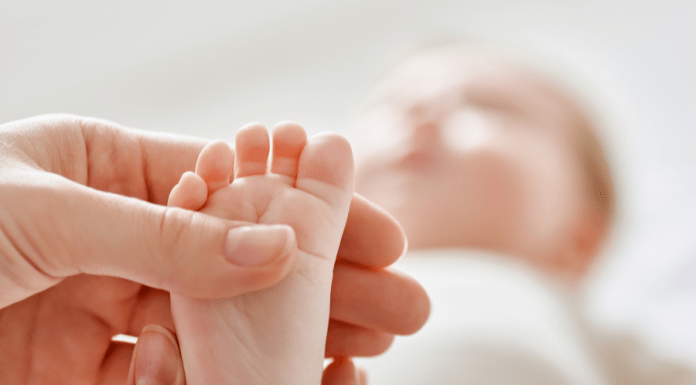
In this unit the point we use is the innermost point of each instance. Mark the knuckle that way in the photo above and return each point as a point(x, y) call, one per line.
point(179, 239)
point(173, 226)
point(25, 258)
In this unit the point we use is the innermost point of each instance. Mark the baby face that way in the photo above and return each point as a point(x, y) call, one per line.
point(466, 151)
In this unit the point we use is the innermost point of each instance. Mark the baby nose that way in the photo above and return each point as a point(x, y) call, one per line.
point(426, 132)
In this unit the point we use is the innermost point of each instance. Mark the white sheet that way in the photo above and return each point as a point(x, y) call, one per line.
point(493, 321)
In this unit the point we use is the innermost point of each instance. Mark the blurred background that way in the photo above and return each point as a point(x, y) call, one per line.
point(210, 67)
point(206, 68)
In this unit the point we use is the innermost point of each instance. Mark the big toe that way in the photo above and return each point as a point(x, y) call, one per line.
point(325, 169)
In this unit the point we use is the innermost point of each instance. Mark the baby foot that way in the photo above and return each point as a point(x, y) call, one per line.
point(277, 335)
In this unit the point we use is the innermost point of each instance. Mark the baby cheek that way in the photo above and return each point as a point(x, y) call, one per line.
point(494, 188)
point(550, 198)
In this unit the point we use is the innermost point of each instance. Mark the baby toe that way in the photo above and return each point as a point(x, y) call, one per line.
point(252, 146)
point(289, 140)
point(326, 170)
point(190, 193)
point(215, 164)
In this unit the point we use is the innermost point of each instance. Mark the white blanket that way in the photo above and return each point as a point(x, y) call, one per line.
point(493, 321)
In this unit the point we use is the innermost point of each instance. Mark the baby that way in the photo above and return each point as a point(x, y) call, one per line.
point(277, 335)
point(471, 151)
point(468, 149)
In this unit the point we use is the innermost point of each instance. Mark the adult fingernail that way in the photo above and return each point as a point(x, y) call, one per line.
point(258, 245)
point(361, 375)
point(157, 360)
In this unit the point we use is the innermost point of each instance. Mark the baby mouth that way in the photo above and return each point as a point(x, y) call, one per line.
point(417, 162)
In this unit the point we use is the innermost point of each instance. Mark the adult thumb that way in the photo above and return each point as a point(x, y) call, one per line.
point(156, 359)
point(77, 229)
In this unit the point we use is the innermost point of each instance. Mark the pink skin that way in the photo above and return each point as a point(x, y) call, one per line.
point(466, 151)
point(82, 201)
point(276, 335)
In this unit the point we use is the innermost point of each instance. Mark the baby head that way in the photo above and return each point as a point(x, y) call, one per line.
point(469, 149)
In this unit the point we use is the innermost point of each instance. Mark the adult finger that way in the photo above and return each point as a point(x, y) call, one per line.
point(342, 371)
point(153, 306)
point(372, 237)
point(156, 359)
point(395, 302)
point(114, 370)
point(345, 339)
point(105, 155)
point(74, 229)
point(151, 160)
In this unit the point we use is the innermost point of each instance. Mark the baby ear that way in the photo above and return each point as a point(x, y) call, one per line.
point(584, 243)
point(580, 247)
point(593, 228)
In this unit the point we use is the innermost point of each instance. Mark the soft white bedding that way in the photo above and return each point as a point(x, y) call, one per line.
point(496, 321)
point(493, 321)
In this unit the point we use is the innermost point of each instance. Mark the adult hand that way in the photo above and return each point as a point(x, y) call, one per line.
point(87, 250)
